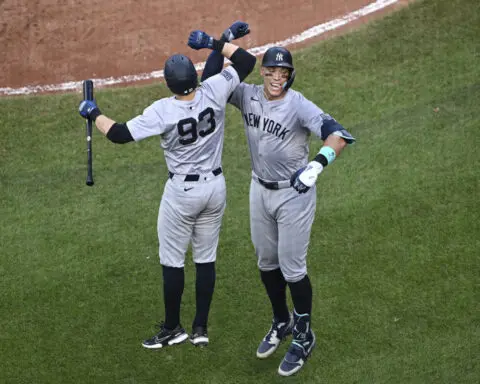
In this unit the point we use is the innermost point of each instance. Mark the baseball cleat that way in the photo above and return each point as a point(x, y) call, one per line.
point(297, 355)
point(199, 336)
point(278, 332)
point(301, 347)
point(166, 337)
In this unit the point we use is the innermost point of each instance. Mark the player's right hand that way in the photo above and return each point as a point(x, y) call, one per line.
point(86, 107)
point(199, 39)
point(305, 177)
point(296, 183)
point(236, 31)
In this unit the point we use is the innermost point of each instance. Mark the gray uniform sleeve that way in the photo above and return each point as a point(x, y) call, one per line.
point(311, 116)
point(220, 87)
point(237, 96)
point(150, 123)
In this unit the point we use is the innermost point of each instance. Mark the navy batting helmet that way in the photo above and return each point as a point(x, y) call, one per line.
point(277, 57)
point(280, 57)
point(180, 75)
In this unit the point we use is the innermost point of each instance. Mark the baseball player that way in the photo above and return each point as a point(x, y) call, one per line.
point(191, 127)
point(278, 122)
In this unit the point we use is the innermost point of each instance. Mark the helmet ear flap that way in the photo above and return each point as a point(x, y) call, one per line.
point(290, 80)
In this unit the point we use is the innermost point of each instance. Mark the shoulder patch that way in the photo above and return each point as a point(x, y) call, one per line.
point(227, 75)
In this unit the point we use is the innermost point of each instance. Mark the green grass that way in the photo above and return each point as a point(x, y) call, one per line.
point(394, 252)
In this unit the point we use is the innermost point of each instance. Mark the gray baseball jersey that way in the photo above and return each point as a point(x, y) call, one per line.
point(191, 131)
point(278, 133)
point(192, 139)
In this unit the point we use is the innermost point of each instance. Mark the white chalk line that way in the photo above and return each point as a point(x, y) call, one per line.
point(305, 35)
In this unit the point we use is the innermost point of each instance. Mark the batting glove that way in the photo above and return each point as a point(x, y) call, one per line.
point(199, 39)
point(88, 109)
point(305, 177)
point(236, 31)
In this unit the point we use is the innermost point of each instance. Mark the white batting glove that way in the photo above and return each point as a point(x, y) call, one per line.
point(309, 176)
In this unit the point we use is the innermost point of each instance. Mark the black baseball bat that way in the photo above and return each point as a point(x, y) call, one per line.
point(88, 95)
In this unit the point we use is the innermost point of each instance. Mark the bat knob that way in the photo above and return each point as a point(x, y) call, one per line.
point(89, 183)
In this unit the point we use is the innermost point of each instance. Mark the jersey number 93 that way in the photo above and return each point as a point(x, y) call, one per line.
point(189, 129)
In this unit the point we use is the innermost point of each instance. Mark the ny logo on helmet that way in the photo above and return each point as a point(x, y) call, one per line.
point(279, 57)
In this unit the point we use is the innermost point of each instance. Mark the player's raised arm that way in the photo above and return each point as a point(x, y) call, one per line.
point(243, 62)
point(215, 60)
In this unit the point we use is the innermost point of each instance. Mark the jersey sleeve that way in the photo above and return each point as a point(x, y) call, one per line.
point(150, 123)
point(237, 96)
point(311, 116)
point(219, 87)
point(321, 123)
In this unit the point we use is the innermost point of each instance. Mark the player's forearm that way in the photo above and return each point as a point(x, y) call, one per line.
point(229, 49)
point(332, 147)
point(117, 133)
point(213, 65)
point(336, 143)
point(243, 61)
point(226, 49)
point(104, 124)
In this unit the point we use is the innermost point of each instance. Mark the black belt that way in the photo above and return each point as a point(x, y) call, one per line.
point(268, 184)
point(215, 172)
point(273, 184)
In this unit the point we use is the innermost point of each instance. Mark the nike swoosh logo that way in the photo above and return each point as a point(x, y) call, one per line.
point(254, 99)
point(187, 189)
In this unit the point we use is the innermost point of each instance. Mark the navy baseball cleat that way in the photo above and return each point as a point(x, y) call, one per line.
point(199, 336)
point(166, 337)
point(301, 347)
point(278, 332)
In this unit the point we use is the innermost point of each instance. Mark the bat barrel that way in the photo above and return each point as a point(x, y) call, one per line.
point(88, 90)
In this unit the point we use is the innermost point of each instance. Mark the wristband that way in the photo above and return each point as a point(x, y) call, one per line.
point(325, 156)
point(217, 45)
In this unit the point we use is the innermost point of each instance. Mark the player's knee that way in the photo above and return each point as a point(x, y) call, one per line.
point(267, 264)
point(293, 276)
point(169, 261)
point(205, 257)
point(172, 265)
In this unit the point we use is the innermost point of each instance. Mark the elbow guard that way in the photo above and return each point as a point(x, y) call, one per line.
point(119, 134)
point(243, 62)
point(330, 126)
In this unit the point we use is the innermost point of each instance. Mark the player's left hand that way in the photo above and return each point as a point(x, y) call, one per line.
point(199, 39)
point(305, 177)
point(236, 31)
point(86, 107)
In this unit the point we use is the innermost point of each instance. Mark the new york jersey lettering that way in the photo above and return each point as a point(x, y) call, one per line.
point(252, 120)
point(274, 128)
